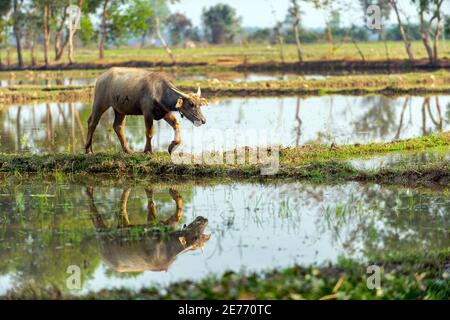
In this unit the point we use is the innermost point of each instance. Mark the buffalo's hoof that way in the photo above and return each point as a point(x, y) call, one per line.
point(148, 152)
point(128, 151)
point(173, 146)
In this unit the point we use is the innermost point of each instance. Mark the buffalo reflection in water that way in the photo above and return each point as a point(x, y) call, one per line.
point(153, 250)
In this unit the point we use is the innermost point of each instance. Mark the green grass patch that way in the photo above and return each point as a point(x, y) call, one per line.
point(313, 162)
point(405, 276)
point(396, 84)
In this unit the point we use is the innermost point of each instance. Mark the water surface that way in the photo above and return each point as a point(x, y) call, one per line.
point(236, 122)
point(108, 232)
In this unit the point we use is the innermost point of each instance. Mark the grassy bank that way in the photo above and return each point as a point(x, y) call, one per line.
point(234, 54)
point(403, 276)
point(391, 85)
point(314, 162)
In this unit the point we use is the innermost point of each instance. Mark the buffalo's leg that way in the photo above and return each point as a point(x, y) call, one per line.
point(123, 213)
point(96, 217)
point(176, 218)
point(173, 122)
point(148, 118)
point(151, 216)
point(119, 126)
point(93, 120)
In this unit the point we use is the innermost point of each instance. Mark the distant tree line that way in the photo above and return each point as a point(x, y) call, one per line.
point(29, 24)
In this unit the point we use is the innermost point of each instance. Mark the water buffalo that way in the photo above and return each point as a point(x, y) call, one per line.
point(151, 251)
point(132, 91)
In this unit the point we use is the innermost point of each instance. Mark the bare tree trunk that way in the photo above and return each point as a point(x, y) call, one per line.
point(17, 35)
point(330, 40)
point(46, 31)
point(59, 49)
point(143, 40)
point(359, 49)
point(297, 42)
point(295, 12)
point(101, 54)
point(8, 55)
point(18, 46)
point(405, 38)
point(437, 31)
point(158, 33)
point(279, 39)
point(386, 49)
point(32, 51)
point(70, 53)
point(425, 37)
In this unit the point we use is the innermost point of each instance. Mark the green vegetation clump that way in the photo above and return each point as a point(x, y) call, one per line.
point(390, 85)
point(405, 276)
point(314, 162)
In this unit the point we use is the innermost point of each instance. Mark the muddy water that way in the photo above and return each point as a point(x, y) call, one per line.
point(236, 122)
point(109, 232)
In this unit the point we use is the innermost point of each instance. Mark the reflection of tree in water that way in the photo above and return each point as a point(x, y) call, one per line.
point(47, 227)
point(43, 233)
point(391, 220)
point(57, 127)
point(380, 118)
point(298, 128)
point(447, 113)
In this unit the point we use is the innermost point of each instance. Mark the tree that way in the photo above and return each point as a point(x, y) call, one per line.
point(180, 27)
point(401, 29)
point(261, 35)
point(221, 23)
point(101, 51)
point(19, 18)
point(138, 14)
point(447, 25)
point(294, 13)
point(87, 31)
point(160, 9)
point(279, 39)
point(61, 41)
point(46, 29)
point(33, 24)
point(5, 9)
point(432, 27)
point(43, 8)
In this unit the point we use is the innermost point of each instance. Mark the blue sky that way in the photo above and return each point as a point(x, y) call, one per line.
point(258, 13)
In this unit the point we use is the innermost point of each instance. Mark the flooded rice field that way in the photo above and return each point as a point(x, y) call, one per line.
point(80, 80)
point(286, 121)
point(62, 81)
point(400, 159)
point(109, 231)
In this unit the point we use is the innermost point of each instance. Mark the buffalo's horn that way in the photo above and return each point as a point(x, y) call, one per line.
point(199, 92)
point(180, 92)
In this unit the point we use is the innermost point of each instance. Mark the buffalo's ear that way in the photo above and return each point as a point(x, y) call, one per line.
point(199, 92)
point(179, 103)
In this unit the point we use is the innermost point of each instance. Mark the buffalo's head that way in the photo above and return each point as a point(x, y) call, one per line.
point(189, 106)
point(193, 236)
